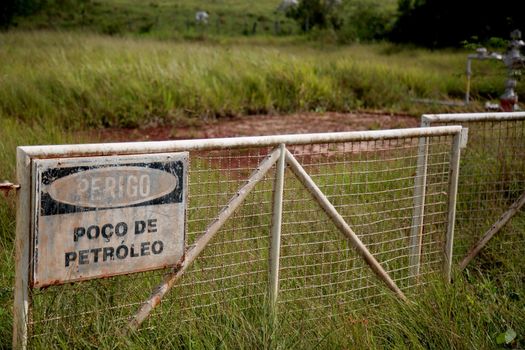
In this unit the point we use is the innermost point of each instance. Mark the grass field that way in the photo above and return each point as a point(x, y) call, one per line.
point(53, 84)
point(78, 80)
point(169, 20)
point(164, 19)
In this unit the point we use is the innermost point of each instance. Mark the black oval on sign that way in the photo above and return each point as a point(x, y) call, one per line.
point(112, 187)
point(77, 189)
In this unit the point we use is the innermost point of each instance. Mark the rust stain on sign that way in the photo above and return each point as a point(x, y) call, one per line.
point(103, 216)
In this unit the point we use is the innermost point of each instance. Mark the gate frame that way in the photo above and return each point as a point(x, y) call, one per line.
point(428, 119)
point(25, 155)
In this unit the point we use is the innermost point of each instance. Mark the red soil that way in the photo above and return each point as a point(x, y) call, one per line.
point(260, 125)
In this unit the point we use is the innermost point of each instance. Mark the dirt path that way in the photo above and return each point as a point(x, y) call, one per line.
point(261, 125)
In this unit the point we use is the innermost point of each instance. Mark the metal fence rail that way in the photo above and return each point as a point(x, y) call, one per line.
point(492, 182)
point(347, 216)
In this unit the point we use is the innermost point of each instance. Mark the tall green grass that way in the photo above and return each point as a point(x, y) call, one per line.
point(78, 80)
point(471, 313)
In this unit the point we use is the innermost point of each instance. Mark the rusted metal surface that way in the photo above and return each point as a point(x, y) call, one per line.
point(100, 217)
point(22, 299)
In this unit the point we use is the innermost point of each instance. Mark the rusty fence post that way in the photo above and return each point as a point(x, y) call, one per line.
point(22, 298)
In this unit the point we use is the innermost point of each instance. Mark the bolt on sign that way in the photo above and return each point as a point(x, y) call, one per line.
point(104, 216)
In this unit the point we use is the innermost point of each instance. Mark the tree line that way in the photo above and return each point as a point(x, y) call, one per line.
point(429, 23)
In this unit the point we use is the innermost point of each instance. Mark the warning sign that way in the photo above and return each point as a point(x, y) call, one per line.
point(104, 216)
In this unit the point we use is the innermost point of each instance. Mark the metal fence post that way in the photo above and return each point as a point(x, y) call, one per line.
point(420, 184)
point(22, 251)
point(277, 213)
point(452, 195)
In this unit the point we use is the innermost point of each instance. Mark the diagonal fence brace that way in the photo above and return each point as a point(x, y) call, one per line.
point(502, 221)
point(194, 251)
point(341, 224)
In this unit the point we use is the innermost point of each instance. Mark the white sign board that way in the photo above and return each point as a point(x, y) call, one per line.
point(104, 216)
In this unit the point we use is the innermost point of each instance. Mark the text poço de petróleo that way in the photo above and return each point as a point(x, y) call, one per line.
point(120, 251)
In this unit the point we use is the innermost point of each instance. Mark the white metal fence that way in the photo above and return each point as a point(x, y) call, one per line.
point(491, 183)
point(304, 224)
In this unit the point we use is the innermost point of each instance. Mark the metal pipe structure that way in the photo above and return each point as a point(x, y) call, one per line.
point(420, 184)
point(471, 117)
point(482, 54)
point(22, 297)
point(514, 62)
point(122, 148)
point(469, 73)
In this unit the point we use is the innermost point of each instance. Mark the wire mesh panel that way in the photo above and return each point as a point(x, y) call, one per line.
point(492, 178)
point(232, 272)
point(371, 184)
point(75, 313)
point(371, 180)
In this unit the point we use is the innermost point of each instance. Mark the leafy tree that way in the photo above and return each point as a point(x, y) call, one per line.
point(316, 13)
point(438, 23)
point(7, 13)
point(9, 9)
point(365, 20)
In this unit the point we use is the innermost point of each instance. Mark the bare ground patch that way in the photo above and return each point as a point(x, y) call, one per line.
point(258, 125)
